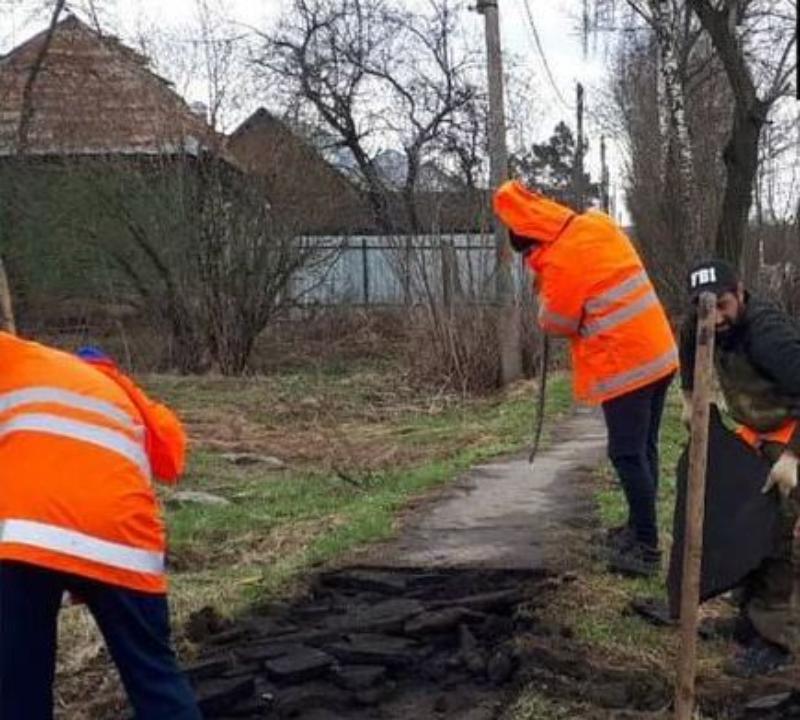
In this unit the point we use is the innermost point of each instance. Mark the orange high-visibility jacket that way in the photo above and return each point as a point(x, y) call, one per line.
point(594, 290)
point(76, 489)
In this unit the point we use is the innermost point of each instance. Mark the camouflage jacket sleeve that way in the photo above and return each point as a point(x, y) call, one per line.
point(774, 348)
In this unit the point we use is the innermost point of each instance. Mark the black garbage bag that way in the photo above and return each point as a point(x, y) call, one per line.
point(742, 525)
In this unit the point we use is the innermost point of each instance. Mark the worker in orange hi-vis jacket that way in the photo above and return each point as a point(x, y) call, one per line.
point(80, 445)
point(594, 290)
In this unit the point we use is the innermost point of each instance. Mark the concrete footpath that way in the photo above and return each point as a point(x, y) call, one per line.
point(498, 515)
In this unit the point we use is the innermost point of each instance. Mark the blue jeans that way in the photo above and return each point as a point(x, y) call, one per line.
point(135, 626)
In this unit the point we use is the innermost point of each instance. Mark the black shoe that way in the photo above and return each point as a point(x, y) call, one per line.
point(758, 658)
point(619, 537)
point(635, 560)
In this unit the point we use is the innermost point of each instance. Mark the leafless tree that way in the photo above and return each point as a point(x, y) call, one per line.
point(207, 53)
point(375, 73)
point(204, 253)
point(654, 191)
point(11, 204)
point(675, 37)
point(754, 41)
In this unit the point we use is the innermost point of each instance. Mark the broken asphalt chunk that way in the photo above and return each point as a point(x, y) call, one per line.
point(298, 666)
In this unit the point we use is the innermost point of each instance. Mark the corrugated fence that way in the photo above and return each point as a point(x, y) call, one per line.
point(381, 270)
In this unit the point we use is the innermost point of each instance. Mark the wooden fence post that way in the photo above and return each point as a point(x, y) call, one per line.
point(6, 308)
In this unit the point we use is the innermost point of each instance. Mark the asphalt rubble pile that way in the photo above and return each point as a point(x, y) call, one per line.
point(361, 638)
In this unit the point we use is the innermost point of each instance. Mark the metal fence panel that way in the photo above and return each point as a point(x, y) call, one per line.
point(383, 270)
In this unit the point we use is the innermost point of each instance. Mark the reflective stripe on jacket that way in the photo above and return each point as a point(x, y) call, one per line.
point(594, 290)
point(75, 475)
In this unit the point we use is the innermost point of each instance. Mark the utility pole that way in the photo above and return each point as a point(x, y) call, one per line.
point(604, 177)
point(508, 313)
point(577, 182)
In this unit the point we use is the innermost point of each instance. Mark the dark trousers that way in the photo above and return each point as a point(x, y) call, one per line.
point(135, 627)
point(633, 421)
point(771, 592)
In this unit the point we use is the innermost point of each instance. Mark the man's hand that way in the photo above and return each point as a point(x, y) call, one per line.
point(797, 530)
point(783, 474)
point(686, 410)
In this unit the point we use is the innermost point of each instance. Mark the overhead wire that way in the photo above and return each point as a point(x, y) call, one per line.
point(543, 57)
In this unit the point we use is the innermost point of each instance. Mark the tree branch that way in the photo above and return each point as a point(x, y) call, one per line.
point(26, 112)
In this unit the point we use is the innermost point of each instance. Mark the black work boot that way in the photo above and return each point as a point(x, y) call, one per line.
point(635, 560)
point(619, 537)
point(759, 657)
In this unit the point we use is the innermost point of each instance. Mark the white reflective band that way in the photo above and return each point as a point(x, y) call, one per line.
point(642, 372)
point(80, 545)
point(562, 321)
point(85, 432)
point(606, 299)
point(67, 398)
point(620, 316)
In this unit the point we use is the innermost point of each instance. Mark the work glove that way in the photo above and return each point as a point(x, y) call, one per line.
point(686, 410)
point(783, 474)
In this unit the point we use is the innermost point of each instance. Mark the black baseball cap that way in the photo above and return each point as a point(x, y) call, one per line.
point(715, 276)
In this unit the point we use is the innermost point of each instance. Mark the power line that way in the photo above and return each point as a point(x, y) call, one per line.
point(543, 57)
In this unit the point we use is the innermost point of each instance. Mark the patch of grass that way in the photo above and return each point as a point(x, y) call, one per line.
point(533, 706)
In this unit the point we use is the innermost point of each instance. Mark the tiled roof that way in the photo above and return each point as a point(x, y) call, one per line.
point(94, 96)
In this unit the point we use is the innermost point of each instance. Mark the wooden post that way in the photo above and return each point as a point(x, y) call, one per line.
point(7, 323)
point(365, 269)
point(695, 506)
point(508, 330)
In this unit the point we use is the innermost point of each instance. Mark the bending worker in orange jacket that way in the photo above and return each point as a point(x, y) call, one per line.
point(594, 290)
point(79, 446)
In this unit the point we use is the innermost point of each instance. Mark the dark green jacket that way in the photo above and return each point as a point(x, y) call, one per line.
point(758, 366)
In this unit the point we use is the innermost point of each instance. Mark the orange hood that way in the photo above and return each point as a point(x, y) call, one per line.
point(530, 214)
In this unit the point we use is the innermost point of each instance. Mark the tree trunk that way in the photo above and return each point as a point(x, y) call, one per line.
point(678, 129)
point(750, 114)
point(741, 164)
point(234, 350)
point(187, 356)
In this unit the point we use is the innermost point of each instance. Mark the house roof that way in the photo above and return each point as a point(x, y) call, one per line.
point(94, 96)
point(324, 200)
point(308, 191)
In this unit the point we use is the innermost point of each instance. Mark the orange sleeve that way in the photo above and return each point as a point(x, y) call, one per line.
point(165, 441)
point(560, 301)
point(166, 438)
